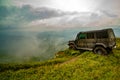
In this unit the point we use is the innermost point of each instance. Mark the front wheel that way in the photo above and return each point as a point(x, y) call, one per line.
point(71, 46)
point(100, 50)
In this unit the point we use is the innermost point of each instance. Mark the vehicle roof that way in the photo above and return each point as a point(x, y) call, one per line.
point(96, 30)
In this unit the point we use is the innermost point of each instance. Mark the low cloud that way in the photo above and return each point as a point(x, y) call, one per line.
point(29, 45)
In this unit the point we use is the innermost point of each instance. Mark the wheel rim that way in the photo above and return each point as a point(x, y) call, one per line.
point(99, 51)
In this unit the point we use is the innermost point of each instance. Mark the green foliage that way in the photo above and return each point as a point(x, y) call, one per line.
point(18, 66)
point(86, 66)
point(68, 53)
point(118, 43)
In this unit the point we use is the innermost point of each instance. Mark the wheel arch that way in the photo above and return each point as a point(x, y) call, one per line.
point(100, 44)
point(100, 48)
point(72, 43)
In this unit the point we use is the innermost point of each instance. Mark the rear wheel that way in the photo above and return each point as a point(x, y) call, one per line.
point(100, 50)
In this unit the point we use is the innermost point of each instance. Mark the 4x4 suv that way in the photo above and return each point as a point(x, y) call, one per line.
point(98, 41)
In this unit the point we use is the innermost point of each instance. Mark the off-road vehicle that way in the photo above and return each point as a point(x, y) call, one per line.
point(98, 41)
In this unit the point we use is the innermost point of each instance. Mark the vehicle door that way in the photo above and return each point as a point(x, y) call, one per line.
point(91, 40)
point(81, 42)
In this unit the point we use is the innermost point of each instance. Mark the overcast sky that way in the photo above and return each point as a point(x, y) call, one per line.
point(74, 5)
point(47, 14)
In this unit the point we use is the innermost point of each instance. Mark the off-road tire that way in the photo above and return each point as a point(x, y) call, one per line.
point(100, 50)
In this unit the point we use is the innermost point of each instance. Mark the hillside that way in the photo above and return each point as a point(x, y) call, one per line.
point(68, 65)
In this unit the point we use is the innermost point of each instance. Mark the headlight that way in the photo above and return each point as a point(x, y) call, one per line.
point(114, 46)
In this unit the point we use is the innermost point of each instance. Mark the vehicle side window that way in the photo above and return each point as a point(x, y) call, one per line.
point(90, 35)
point(102, 34)
point(82, 36)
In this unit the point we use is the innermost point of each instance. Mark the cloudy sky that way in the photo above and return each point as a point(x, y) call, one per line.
point(58, 14)
point(73, 5)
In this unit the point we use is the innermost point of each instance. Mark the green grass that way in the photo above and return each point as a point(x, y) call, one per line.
point(71, 65)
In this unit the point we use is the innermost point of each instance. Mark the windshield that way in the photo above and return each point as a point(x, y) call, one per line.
point(82, 36)
point(111, 34)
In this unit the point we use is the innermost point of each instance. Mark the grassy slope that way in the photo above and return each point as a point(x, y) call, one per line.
point(87, 66)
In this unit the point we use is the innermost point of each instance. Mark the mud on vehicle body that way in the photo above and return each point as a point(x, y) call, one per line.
point(98, 41)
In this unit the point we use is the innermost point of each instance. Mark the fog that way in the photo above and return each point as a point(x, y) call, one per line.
point(21, 46)
point(24, 46)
